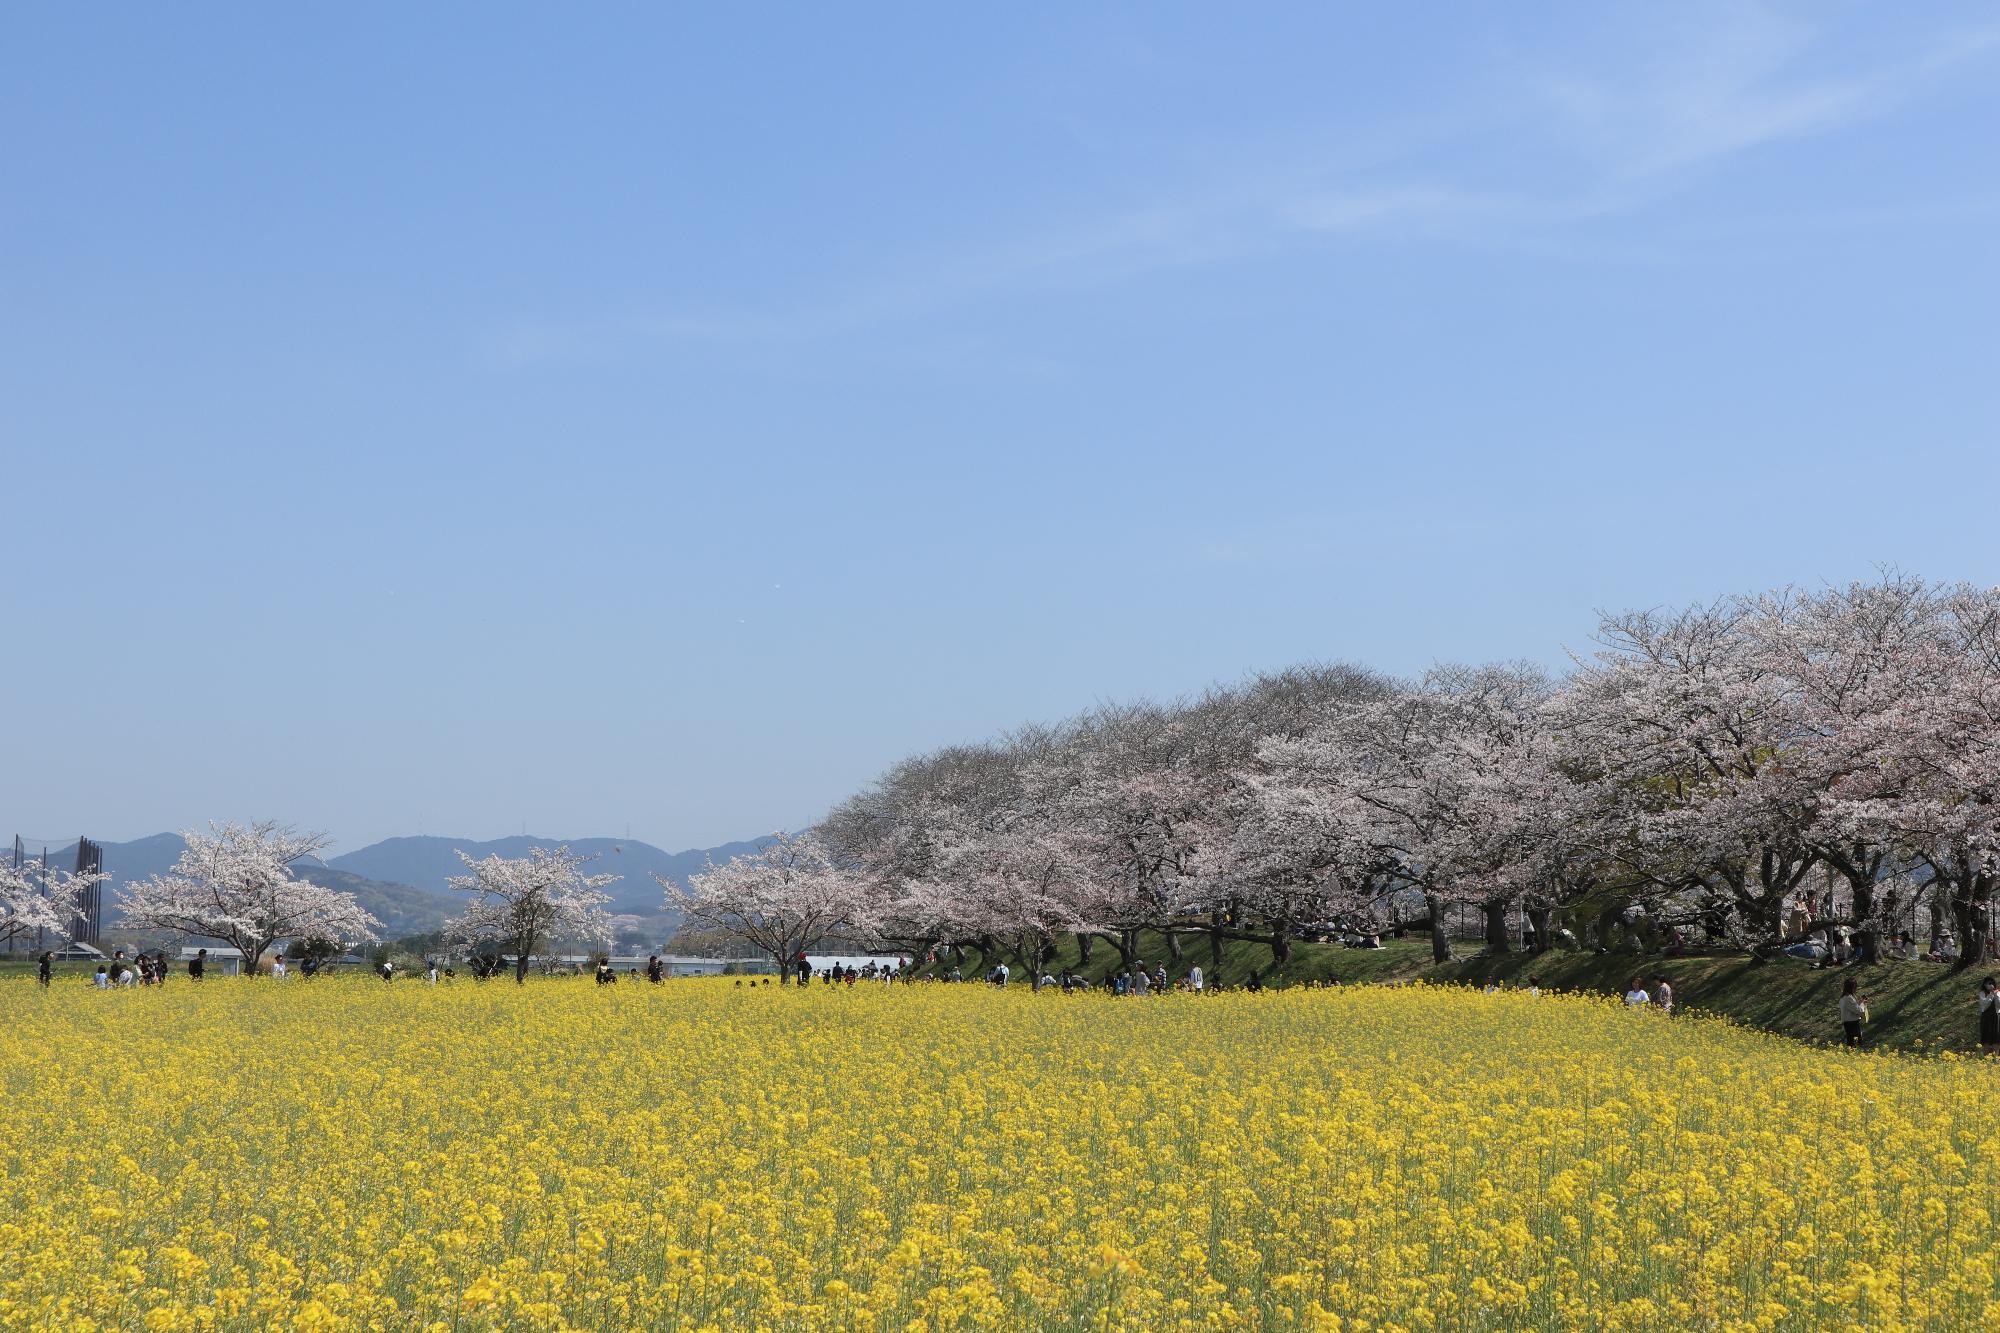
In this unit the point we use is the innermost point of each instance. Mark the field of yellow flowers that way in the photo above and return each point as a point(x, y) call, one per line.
point(344, 1154)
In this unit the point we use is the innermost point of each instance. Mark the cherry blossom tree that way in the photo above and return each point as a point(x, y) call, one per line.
point(784, 898)
point(235, 883)
point(1939, 762)
point(1430, 787)
point(1697, 733)
point(894, 840)
point(1872, 688)
point(522, 902)
point(35, 898)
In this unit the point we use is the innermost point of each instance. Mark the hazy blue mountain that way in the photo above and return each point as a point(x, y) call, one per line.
point(427, 862)
point(401, 908)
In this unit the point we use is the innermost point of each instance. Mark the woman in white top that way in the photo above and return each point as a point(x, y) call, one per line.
point(1636, 995)
point(278, 968)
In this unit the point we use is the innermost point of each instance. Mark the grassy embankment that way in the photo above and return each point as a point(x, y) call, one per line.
point(1912, 1005)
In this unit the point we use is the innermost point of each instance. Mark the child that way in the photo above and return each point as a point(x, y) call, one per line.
point(1853, 1011)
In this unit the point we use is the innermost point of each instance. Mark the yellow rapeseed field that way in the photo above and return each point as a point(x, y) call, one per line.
point(344, 1154)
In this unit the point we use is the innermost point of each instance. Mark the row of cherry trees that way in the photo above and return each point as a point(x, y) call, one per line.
point(240, 883)
point(1697, 773)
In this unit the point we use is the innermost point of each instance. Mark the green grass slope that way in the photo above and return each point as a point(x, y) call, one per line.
point(1912, 1005)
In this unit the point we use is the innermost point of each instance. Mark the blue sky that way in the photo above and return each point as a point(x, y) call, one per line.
point(581, 417)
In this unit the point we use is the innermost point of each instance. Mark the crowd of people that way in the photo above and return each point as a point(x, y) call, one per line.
point(1654, 994)
point(141, 969)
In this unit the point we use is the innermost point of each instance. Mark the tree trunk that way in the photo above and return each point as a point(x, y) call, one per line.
point(1085, 941)
point(1970, 919)
point(1440, 940)
point(1496, 926)
point(1865, 933)
point(521, 951)
point(1539, 917)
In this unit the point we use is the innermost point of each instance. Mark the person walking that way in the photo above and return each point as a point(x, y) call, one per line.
point(1635, 994)
point(44, 967)
point(1853, 1011)
point(278, 968)
point(1194, 978)
point(1989, 1016)
point(1663, 995)
point(197, 964)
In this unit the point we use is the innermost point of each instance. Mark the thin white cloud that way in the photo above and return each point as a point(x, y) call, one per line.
point(1737, 78)
point(1614, 133)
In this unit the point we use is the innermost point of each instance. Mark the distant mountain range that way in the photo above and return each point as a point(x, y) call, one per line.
point(402, 880)
point(428, 862)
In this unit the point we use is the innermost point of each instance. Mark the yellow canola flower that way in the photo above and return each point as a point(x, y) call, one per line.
point(343, 1155)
